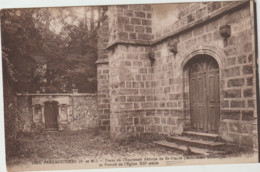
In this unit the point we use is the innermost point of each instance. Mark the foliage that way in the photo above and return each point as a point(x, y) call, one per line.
point(11, 112)
point(54, 48)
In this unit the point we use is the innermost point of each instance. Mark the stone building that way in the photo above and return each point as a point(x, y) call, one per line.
point(194, 72)
point(56, 112)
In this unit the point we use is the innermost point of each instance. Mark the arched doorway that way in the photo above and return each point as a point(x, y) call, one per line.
point(204, 94)
point(51, 113)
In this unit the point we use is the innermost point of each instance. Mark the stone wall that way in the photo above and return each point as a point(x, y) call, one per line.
point(103, 96)
point(103, 78)
point(153, 96)
point(130, 70)
point(131, 90)
point(84, 112)
point(25, 116)
point(130, 24)
point(236, 63)
point(76, 111)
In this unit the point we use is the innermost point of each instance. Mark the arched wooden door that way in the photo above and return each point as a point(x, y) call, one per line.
point(204, 94)
point(51, 113)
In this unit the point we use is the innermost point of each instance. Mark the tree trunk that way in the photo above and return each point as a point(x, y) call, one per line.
point(92, 24)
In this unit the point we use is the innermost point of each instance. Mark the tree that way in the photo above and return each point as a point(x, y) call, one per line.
point(61, 39)
point(19, 39)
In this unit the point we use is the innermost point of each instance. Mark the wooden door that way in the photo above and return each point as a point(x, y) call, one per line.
point(204, 95)
point(51, 113)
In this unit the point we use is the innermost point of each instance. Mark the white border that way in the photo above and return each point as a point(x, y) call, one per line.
point(58, 3)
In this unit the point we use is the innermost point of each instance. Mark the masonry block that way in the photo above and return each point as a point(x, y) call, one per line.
point(248, 93)
point(230, 114)
point(247, 140)
point(235, 71)
point(232, 93)
point(247, 115)
point(248, 69)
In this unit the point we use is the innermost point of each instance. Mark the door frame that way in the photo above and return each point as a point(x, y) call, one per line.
point(202, 98)
point(57, 120)
point(219, 56)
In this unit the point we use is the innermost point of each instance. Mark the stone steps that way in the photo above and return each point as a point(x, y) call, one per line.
point(200, 135)
point(186, 149)
point(194, 143)
point(51, 130)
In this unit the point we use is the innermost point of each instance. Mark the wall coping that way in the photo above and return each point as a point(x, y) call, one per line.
point(146, 109)
point(128, 42)
point(204, 19)
point(178, 31)
point(55, 94)
point(102, 61)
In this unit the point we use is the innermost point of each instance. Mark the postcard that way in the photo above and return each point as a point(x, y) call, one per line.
point(133, 85)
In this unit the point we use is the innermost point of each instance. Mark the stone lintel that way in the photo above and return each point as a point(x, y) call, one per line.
point(129, 42)
point(102, 61)
point(55, 94)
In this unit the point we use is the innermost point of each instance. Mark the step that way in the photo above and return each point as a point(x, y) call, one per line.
point(194, 142)
point(205, 136)
point(51, 130)
point(183, 148)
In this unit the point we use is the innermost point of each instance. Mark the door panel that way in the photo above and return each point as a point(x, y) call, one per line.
point(213, 101)
point(204, 95)
point(51, 113)
point(198, 100)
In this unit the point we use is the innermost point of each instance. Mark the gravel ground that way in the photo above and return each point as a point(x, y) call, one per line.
point(78, 145)
point(88, 145)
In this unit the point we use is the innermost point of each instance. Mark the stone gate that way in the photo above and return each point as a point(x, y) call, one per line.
point(56, 111)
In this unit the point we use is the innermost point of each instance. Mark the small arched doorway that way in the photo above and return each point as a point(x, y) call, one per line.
point(204, 94)
point(51, 115)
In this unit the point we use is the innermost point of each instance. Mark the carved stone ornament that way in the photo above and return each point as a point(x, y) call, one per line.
point(43, 89)
point(151, 56)
point(74, 90)
point(225, 31)
point(173, 46)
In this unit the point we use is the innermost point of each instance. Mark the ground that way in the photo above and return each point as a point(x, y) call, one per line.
point(82, 145)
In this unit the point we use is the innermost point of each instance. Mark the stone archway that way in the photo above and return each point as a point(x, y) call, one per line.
point(200, 66)
point(212, 51)
point(203, 83)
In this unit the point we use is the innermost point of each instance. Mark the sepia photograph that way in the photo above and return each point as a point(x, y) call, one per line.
point(130, 85)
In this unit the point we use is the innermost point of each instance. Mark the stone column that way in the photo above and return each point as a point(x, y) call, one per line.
point(254, 66)
point(130, 73)
point(58, 116)
point(103, 80)
point(33, 112)
point(61, 113)
point(103, 95)
point(43, 116)
point(68, 113)
point(60, 127)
